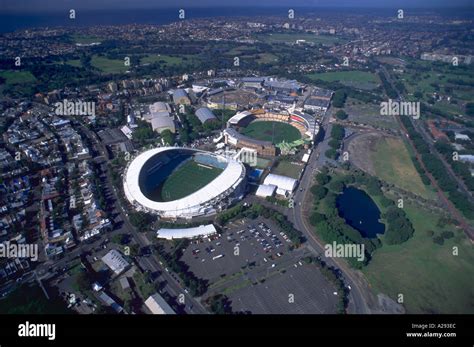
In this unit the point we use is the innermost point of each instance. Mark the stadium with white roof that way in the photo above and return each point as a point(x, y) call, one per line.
point(147, 173)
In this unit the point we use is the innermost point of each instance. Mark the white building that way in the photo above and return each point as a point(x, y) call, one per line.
point(285, 185)
point(265, 190)
point(157, 305)
point(187, 233)
point(114, 260)
point(226, 187)
point(459, 136)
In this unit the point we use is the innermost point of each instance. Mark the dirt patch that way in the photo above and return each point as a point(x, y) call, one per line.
point(361, 149)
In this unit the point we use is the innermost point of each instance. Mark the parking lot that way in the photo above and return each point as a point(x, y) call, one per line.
point(252, 264)
point(242, 244)
point(300, 290)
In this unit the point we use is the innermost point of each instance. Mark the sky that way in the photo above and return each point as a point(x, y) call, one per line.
point(52, 5)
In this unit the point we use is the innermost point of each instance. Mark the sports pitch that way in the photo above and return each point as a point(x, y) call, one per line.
point(275, 132)
point(187, 179)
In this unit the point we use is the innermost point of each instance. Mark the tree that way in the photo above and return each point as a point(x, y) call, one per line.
point(319, 192)
point(334, 143)
point(220, 304)
point(167, 136)
point(341, 115)
point(316, 218)
point(337, 132)
point(331, 153)
point(322, 178)
point(83, 281)
point(339, 98)
point(336, 186)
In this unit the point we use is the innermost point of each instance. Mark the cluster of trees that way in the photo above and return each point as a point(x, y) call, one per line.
point(330, 226)
point(319, 192)
point(339, 98)
point(341, 115)
point(391, 92)
point(439, 239)
point(140, 220)
point(196, 286)
point(98, 187)
point(167, 136)
point(143, 134)
point(192, 128)
point(219, 304)
point(436, 167)
point(399, 228)
point(470, 108)
point(461, 169)
point(337, 135)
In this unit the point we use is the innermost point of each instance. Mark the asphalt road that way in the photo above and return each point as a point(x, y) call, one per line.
point(357, 302)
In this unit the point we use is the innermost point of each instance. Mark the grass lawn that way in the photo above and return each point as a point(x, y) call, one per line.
point(263, 130)
point(286, 168)
point(430, 277)
point(440, 78)
point(355, 78)
point(392, 163)
point(292, 37)
point(17, 77)
point(145, 289)
point(109, 65)
point(74, 62)
point(124, 295)
point(266, 58)
point(187, 179)
point(86, 39)
point(26, 299)
point(262, 163)
point(168, 59)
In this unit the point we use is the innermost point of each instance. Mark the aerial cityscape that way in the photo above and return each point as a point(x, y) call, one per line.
point(282, 159)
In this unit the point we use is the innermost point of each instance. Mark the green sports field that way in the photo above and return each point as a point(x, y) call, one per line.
point(187, 179)
point(109, 66)
point(264, 131)
point(355, 78)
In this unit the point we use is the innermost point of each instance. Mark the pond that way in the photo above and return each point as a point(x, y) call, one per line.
point(360, 212)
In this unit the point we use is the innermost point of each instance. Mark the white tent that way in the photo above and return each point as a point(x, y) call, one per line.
point(286, 184)
point(265, 190)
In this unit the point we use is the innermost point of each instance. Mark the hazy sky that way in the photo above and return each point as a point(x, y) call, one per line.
point(36, 5)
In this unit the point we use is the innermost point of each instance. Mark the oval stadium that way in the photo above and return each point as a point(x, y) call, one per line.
point(178, 182)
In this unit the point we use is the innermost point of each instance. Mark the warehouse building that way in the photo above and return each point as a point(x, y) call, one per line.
point(205, 115)
point(159, 124)
point(265, 190)
point(157, 305)
point(160, 118)
point(180, 97)
point(115, 262)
